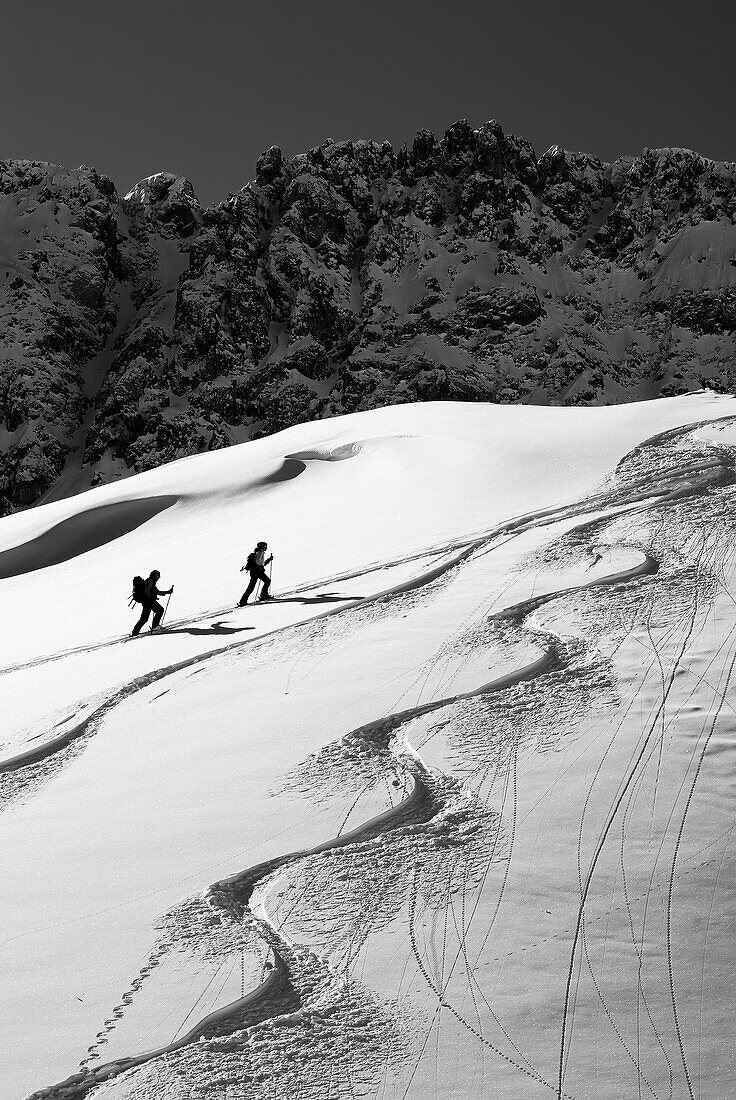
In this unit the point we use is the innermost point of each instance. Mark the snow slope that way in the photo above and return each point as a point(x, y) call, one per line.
point(454, 815)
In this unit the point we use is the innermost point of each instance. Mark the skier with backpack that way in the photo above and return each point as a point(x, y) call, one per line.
point(146, 593)
point(256, 565)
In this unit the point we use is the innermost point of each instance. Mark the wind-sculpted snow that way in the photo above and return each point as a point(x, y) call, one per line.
point(485, 845)
point(80, 534)
point(333, 454)
point(295, 464)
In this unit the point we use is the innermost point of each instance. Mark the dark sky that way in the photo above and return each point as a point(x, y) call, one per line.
point(201, 89)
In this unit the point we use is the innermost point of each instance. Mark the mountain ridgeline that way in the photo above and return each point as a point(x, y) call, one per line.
point(142, 329)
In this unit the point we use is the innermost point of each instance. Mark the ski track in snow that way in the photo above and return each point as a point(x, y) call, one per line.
point(454, 762)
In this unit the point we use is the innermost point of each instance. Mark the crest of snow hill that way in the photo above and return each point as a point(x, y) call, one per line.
point(142, 329)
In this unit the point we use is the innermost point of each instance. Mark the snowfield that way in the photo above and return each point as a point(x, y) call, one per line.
point(453, 817)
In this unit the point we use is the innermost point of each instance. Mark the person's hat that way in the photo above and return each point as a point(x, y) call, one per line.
point(155, 573)
point(261, 546)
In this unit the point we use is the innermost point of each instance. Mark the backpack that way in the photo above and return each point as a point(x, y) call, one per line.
point(250, 561)
point(139, 590)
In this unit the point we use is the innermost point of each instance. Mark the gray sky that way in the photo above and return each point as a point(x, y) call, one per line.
point(201, 89)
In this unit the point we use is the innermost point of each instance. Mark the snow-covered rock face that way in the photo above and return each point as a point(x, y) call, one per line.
point(58, 269)
point(169, 201)
point(145, 329)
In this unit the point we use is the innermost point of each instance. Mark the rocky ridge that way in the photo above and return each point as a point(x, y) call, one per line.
point(142, 329)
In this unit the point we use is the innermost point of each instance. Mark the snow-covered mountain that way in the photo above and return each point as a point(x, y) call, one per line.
point(452, 817)
point(139, 330)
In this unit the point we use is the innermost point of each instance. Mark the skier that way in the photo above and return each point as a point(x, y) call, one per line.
point(150, 603)
point(255, 565)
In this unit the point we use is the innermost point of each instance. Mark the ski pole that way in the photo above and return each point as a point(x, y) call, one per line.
point(167, 605)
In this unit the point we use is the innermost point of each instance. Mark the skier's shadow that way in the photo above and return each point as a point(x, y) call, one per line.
point(216, 628)
point(324, 597)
